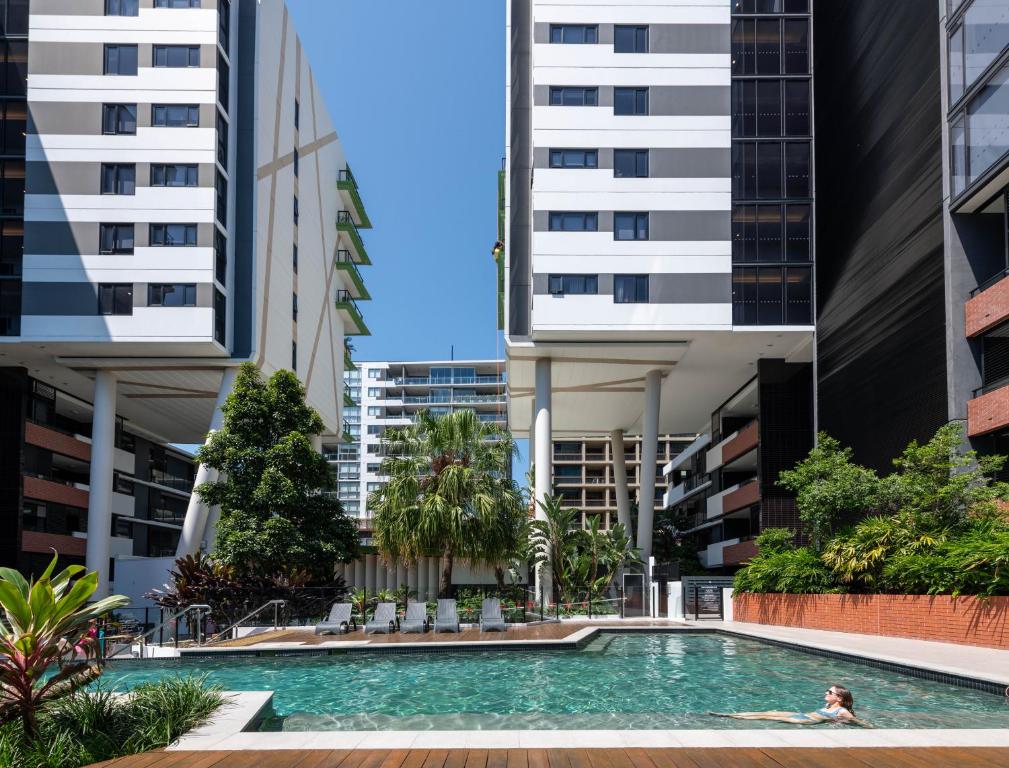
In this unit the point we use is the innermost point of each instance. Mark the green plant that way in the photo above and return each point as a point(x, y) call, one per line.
point(793, 571)
point(47, 623)
point(771, 541)
point(274, 517)
point(827, 487)
point(554, 542)
point(448, 488)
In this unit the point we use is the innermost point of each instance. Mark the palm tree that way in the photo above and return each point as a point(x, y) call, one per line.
point(448, 487)
point(555, 540)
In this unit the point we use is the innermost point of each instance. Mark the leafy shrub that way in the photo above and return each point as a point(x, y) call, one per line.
point(795, 571)
point(88, 727)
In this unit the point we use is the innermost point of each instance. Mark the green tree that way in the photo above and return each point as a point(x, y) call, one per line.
point(828, 486)
point(449, 492)
point(554, 541)
point(275, 518)
point(603, 553)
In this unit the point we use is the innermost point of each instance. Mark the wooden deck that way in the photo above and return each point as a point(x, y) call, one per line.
point(738, 757)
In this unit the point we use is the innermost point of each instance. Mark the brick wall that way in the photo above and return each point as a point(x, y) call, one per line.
point(988, 412)
point(68, 445)
point(33, 541)
point(941, 618)
point(987, 309)
point(47, 490)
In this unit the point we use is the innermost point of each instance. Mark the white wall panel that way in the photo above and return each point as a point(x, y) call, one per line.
point(659, 12)
point(632, 75)
point(603, 244)
point(603, 180)
point(602, 118)
point(633, 201)
point(582, 264)
point(548, 55)
point(615, 137)
point(204, 19)
point(146, 139)
point(145, 324)
point(586, 313)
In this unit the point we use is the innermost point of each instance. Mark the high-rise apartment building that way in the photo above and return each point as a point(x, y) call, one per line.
point(390, 394)
point(176, 201)
point(660, 200)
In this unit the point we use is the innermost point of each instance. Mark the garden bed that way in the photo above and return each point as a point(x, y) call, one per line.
point(940, 618)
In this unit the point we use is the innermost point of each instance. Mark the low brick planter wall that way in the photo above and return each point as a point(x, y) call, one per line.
point(940, 618)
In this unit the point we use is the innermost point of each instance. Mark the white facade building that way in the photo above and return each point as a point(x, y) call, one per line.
point(187, 207)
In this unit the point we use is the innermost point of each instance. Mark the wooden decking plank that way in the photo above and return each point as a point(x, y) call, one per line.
point(255, 759)
point(456, 758)
point(736, 757)
point(415, 759)
point(671, 758)
point(497, 758)
point(639, 758)
point(477, 758)
point(322, 758)
point(801, 757)
point(558, 758)
point(356, 758)
point(395, 758)
point(517, 758)
point(579, 758)
point(537, 758)
point(436, 758)
point(607, 758)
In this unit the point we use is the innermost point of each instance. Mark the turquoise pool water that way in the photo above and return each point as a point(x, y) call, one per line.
point(651, 681)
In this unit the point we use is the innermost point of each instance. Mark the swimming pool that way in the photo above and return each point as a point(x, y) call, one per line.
point(617, 681)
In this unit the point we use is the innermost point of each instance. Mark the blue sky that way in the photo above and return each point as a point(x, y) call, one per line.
point(416, 92)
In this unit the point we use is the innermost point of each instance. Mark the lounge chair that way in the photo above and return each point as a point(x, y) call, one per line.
point(415, 619)
point(340, 620)
point(384, 619)
point(491, 619)
point(447, 619)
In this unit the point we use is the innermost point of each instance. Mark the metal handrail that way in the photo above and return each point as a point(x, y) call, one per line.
point(276, 608)
point(198, 607)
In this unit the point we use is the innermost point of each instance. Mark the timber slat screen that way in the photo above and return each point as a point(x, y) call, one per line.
point(732, 757)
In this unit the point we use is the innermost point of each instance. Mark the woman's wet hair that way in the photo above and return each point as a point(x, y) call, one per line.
point(847, 700)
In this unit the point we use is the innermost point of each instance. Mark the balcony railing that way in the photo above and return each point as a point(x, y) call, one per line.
point(427, 380)
point(346, 183)
point(345, 302)
point(345, 224)
point(345, 263)
point(439, 400)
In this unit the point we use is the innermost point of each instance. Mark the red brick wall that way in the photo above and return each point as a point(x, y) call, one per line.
point(46, 490)
point(743, 496)
point(739, 553)
point(68, 445)
point(941, 618)
point(745, 441)
point(988, 308)
point(988, 412)
point(33, 541)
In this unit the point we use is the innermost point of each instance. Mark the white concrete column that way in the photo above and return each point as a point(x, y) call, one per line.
point(620, 480)
point(369, 573)
point(316, 443)
point(649, 455)
point(103, 445)
point(198, 531)
point(411, 578)
point(422, 579)
point(544, 456)
point(359, 572)
point(400, 576)
point(433, 576)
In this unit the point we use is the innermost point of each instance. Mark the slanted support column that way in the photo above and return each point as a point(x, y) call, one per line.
point(544, 457)
point(620, 480)
point(198, 530)
point(649, 455)
point(103, 444)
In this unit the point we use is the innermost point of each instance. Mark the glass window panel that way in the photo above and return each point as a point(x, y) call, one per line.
point(744, 296)
point(797, 169)
point(797, 108)
point(768, 46)
point(768, 108)
point(798, 296)
point(768, 170)
point(797, 46)
point(769, 227)
point(744, 170)
point(744, 108)
point(988, 125)
point(956, 69)
point(744, 233)
point(796, 6)
point(958, 155)
point(769, 296)
point(744, 60)
point(630, 39)
point(630, 289)
point(767, 6)
point(797, 233)
point(985, 35)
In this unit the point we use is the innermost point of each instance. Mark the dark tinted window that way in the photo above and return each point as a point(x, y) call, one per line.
point(573, 96)
point(797, 169)
point(122, 7)
point(221, 194)
point(173, 235)
point(630, 289)
point(120, 60)
point(176, 3)
point(574, 33)
point(574, 284)
point(176, 56)
point(574, 158)
point(115, 238)
point(118, 179)
point(630, 163)
point(173, 175)
point(630, 101)
point(119, 119)
point(221, 257)
point(223, 82)
point(115, 299)
point(175, 115)
point(630, 226)
point(222, 140)
point(796, 46)
point(171, 295)
point(797, 108)
point(220, 317)
point(628, 39)
point(573, 221)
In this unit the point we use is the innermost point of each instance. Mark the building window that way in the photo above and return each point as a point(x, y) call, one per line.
point(294, 257)
point(220, 317)
point(295, 163)
point(120, 60)
point(224, 23)
point(772, 296)
point(119, 179)
point(176, 3)
point(115, 238)
point(573, 97)
point(297, 114)
point(573, 221)
point(797, 164)
point(222, 140)
point(630, 226)
point(374, 373)
point(574, 33)
point(221, 193)
point(374, 468)
point(175, 115)
point(630, 101)
point(574, 158)
point(122, 7)
point(294, 306)
point(173, 175)
point(296, 209)
point(375, 429)
point(630, 39)
point(171, 295)
point(220, 257)
point(374, 391)
point(630, 289)
point(294, 355)
point(758, 170)
point(119, 119)
point(223, 82)
point(375, 410)
point(173, 235)
point(115, 299)
point(630, 163)
point(560, 285)
point(176, 56)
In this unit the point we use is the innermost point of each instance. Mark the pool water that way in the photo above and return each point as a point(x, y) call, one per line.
point(618, 681)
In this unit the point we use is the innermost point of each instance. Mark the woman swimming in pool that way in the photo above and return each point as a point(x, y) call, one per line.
point(839, 707)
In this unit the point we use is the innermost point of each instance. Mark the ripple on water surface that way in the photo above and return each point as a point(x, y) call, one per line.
point(640, 681)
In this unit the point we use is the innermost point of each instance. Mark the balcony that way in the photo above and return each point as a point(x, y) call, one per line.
point(690, 487)
point(41, 489)
point(355, 282)
point(58, 442)
point(347, 184)
point(988, 411)
point(347, 436)
point(733, 498)
point(345, 225)
point(348, 363)
point(988, 305)
point(740, 442)
point(348, 401)
point(420, 381)
point(455, 399)
point(737, 554)
point(353, 320)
